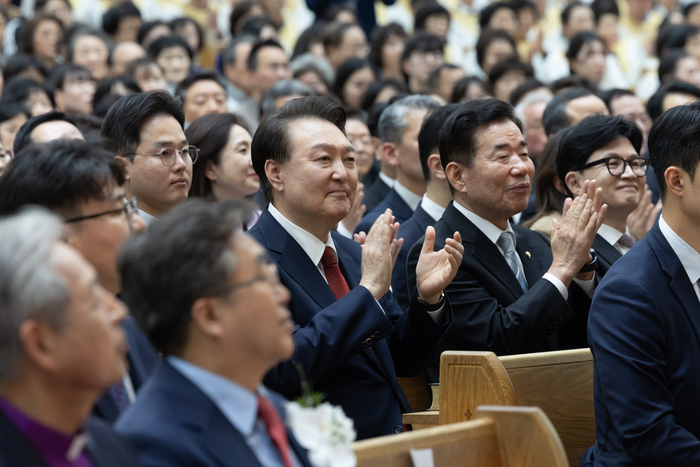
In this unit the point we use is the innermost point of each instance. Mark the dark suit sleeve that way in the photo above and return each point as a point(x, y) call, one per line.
point(481, 322)
point(628, 334)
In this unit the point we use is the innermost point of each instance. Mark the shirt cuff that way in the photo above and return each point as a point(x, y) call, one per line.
point(558, 284)
point(343, 231)
point(587, 286)
point(437, 314)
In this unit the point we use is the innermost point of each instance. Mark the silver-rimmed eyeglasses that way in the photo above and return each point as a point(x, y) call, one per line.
point(167, 155)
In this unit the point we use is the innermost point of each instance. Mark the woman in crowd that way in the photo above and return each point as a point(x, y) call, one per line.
point(352, 80)
point(40, 37)
point(386, 48)
point(174, 57)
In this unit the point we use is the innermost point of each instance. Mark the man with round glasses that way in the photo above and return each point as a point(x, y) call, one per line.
point(606, 149)
point(145, 130)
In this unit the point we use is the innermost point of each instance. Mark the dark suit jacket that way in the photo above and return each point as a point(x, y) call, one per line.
point(607, 255)
point(143, 359)
point(644, 330)
point(333, 337)
point(393, 201)
point(173, 423)
point(104, 448)
point(491, 311)
point(375, 194)
point(410, 231)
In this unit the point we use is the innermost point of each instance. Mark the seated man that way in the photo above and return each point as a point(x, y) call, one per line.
point(220, 318)
point(45, 128)
point(606, 149)
point(510, 293)
point(146, 132)
point(201, 94)
point(62, 346)
point(644, 323)
point(352, 339)
point(83, 184)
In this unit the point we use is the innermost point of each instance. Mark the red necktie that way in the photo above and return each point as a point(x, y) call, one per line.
point(275, 428)
point(335, 278)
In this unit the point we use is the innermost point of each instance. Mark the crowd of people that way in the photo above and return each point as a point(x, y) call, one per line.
point(209, 208)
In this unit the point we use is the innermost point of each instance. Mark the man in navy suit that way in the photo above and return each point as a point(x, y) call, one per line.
point(510, 293)
point(62, 346)
point(606, 149)
point(209, 299)
point(399, 126)
point(352, 339)
point(644, 326)
point(436, 198)
point(84, 184)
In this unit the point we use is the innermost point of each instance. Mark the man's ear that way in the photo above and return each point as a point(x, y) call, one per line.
point(210, 171)
point(390, 154)
point(38, 342)
point(455, 174)
point(573, 183)
point(674, 180)
point(274, 175)
point(556, 181)
point(435, 166)
point(125, 164)
point(206, 316)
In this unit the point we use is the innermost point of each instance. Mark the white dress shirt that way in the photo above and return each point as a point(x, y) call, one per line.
point(433, 209)
point(688, 256)
point(409, 197)
point(612, 235)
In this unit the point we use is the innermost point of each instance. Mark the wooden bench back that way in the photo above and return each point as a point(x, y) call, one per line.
point(560, 383)
point(497, 437)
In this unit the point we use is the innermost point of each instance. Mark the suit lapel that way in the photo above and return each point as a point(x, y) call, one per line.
point(527, 252)
point(606, 251)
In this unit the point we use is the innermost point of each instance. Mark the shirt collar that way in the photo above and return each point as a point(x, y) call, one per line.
point(386, 179)
point(147, 218)
point(412, 199)
point(688, 256)
point(238, 404)
point(433, 209)
point(487, 228)
point(308, 242)
point(54, 447)
point(612, 235)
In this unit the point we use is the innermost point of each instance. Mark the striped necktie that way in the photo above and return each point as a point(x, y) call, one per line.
point(507, 245)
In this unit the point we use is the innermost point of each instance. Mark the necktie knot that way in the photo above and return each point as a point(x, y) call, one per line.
point(626, 240)
point(335, 278)
point(328, 258)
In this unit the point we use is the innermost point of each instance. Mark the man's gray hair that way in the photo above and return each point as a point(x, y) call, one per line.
point(229, 55)
point(394, 121)
point(30, 286)
point(287, 87)
point(532, 98)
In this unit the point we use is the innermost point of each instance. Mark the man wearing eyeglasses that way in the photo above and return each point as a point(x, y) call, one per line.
point(84, 184)
point(145, 130)
point(606, 149)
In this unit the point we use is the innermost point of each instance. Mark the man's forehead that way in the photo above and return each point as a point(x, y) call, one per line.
point(205, 86)
point(498, 133)
point(57, 129)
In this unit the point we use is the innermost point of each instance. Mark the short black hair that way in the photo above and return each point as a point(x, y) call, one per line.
point(429, 136)
point(434, 78)
point(210, 134)
point(168, 42)
point(379, 36)
point(525, 87)
point(122, 124)
point(689, 7)
point(25, 34)
point(255, 51)
point(487, 12)
point(656, 101)
point(462, 87)
point(58, 76)
point(566, 12)
point(333, 33)
point(373, 117)
point(422, 42)
point(604, 7)
point(239, 12)
point(345, 71)
point(255, 25)
point(185, 84)
point(107, 86)
point(458, 136)
point(178, 260)
point(581, 39)
point(612, 94)
point(669, 64)
point(18, 63)
point(183, 21)
point(147, 27)
point(589, 135)
point(674, 141)
point(23, 138)
point(59, 176)
point(508, 65)
point(376, 87)
point(489, 36)
point(554, 118)
point(273, 141)
point(10, 108)
point(116, 14)
point(428, 10)
point(21, 89)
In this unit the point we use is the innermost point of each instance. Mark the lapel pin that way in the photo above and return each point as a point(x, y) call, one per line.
point(527, 253)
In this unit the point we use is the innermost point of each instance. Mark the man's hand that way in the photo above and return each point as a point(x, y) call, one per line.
point(436, 269)
point(379, 252)
point(641, 220)
point(573, 236)
point(356, 211)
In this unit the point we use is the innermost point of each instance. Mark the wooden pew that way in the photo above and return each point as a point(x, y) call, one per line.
point(497, 437)
point(560, 383)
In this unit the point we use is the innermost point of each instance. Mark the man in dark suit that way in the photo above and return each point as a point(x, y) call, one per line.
point(62, 346)
point(606, 149)
point(436, 198)
point(510, 293)
point(644, 326)
point(207, 296)
point(352, 339)
point(399, 126)
point(84, 184)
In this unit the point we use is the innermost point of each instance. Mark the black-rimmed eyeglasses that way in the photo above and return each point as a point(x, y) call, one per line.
point(167, 155)
point(617, 165)
point(128, 209)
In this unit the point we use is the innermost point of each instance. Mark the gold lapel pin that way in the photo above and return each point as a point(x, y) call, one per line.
point(527, 253)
